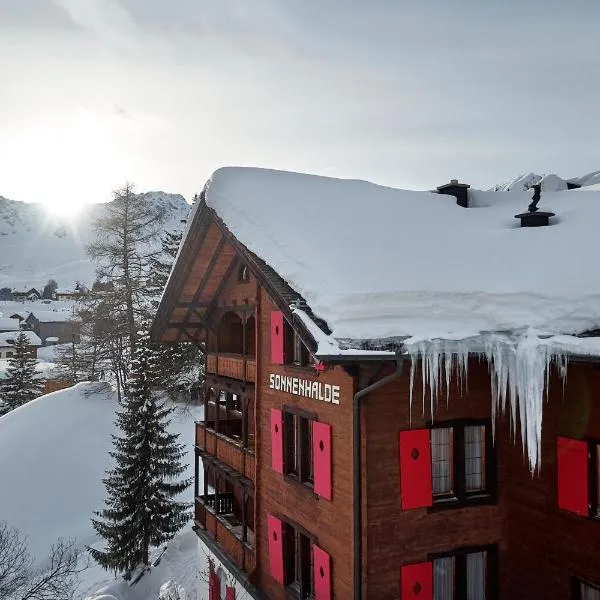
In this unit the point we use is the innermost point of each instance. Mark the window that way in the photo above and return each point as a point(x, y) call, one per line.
point(9, 354)
point(464, 574)
point(296, 353)
point(583, 590)
point(297, 440)
point(243, 274)
point(461, 462)
point(298, 555)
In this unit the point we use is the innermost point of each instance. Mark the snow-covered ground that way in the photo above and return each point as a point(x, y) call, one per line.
point(54, 452)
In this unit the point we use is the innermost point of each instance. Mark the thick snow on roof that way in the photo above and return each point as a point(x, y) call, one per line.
point(8, 338)
point(9, 324)
point(51, 316)
point(377, 262)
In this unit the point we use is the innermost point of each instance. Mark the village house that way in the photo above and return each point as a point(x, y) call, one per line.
point(7, 343)
point(53, 326)
point(26, 294)
point(379, 365)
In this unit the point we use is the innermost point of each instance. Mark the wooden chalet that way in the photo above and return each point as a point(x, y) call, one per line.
point(315, 479)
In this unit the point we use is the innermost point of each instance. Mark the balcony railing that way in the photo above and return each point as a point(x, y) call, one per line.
point(231, 365)
point(226, 530)
point(228, 450)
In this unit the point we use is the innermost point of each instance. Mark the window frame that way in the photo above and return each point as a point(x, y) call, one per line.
point(459, 495)
point(243, 274)
point(460, 569)
point(295, 352)
point(300, 422)
point(301, 557)
point(576, 587)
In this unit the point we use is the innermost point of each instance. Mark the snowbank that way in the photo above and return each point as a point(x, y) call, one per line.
point(54, 454)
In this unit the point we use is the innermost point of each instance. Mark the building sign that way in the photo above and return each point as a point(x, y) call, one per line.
point(306, 388)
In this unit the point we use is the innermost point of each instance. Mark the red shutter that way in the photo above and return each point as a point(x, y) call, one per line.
point(277, 338)
point(321, 434)
point(277, 440)
point(229, 593)
point(322, 573)
point(416, 582)
point(572, 460)
point(214, 586)
point(415, 469)
point(275, 533)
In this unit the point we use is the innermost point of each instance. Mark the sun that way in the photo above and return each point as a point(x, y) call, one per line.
point(74, 157)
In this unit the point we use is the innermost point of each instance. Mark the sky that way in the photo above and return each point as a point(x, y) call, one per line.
point(161, 93)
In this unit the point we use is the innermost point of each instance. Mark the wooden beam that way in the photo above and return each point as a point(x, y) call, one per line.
point(211, 265)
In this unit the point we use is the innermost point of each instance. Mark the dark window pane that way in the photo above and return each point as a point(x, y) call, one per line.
point(476, 575)
point(441, 461)
point(474, 458)
point(443, 578)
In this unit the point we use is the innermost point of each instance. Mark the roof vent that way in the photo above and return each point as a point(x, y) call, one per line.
point(534, 217)
point(458, 190)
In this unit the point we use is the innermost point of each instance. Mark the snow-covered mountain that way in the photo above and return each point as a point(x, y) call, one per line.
point(550, 182)
point(36, 246)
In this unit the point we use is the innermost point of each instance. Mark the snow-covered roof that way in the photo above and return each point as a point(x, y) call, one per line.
point(51, 316)
point(376, 262)
point(9, 324)
point(7, 339)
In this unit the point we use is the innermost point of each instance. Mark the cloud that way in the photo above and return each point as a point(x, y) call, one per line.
point(106, 19)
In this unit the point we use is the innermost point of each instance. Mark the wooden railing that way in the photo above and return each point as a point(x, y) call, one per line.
point(231, 365)
point(218, 530)
point(230, 451)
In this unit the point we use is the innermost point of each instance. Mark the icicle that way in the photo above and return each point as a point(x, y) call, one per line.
point(519, 375)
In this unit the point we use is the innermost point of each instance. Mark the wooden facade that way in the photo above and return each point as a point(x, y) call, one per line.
point(254, 499)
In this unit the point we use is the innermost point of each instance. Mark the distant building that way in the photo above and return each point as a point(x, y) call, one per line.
point(67, 294)
point(9, 324)
point(30, 294)
point(7, 343)
point(48, 324)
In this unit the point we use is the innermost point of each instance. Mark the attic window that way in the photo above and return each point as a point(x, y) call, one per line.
point(296, 353)
point(243, 274)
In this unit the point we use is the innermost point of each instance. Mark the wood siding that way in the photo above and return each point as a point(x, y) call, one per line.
point(330, 522)
point(393, 537)
point(548, 546)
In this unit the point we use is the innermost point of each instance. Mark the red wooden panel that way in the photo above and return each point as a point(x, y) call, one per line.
point(572, 460)
point(275, 533)
point(277, 338)
point(322, 459)
point(229, 593)
point(416, 581)
point(214, 586)
point(415, 469)
point(322, 573)
point(277, 440)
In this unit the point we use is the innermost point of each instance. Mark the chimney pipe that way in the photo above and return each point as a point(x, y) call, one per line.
point(458, 190)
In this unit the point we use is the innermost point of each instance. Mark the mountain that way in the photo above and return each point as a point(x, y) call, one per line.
point(550, 182)
point(36, 246)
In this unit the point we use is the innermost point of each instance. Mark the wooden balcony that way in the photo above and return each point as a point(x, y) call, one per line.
point(234, 366)
point(224, 529)
point(226, 449)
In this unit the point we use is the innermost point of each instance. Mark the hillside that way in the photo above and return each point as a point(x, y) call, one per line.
point(54, 454)
point(36, 246)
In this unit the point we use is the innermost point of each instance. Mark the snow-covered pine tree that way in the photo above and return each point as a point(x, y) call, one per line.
point(141, 508)
point(161, 265)
point(20, 385)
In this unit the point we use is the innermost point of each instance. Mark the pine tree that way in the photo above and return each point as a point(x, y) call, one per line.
point(20, 385)
point(141, 508)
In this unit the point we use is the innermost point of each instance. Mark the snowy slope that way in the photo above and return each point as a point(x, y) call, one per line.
point(550, 182)
point(36, 246)
point(54, 453)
